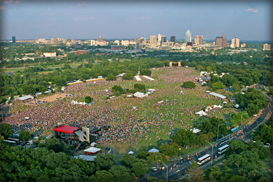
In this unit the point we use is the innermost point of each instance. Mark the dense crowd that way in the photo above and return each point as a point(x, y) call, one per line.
point(127, 123)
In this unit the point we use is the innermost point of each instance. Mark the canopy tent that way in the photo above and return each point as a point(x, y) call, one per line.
point(26, 97)
point(66, 129)
point(201, 113)
point(139, 94)
point(92, 150)
point(153, 150)
point(131, 152)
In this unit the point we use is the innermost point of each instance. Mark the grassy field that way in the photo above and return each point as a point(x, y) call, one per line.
point(151, 122)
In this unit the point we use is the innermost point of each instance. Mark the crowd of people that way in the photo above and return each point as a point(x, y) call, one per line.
point(128, 124)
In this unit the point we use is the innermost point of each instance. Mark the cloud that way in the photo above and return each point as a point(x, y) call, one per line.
point(82, 5)
point(2, 7)
point(252, 10)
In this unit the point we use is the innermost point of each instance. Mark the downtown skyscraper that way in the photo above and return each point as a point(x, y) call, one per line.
point(188, 36)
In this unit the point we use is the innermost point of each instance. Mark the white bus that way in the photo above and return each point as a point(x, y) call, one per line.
point(223, 149)
point(15, 140)
point(9, 141)
point(203, 159)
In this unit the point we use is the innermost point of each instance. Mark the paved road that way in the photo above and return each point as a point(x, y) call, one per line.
point(177, 169)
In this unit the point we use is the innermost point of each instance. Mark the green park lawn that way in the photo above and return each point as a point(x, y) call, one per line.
point(177, 111)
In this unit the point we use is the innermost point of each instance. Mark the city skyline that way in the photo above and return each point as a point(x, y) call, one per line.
point(121, 20)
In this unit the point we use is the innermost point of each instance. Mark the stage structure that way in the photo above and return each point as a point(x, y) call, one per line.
point(73, 135)
point(171, 63)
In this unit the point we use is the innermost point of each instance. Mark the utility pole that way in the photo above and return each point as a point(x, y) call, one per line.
point(166, 171)
point(218, 129)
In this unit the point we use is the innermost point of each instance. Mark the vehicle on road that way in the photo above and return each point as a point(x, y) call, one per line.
point(223, 149)
point(154, 169)
point(203, 159)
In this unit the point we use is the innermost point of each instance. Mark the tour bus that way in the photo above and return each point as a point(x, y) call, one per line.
point(15, 140)
point(203, 159)
point(11, 142)
point(223, 149)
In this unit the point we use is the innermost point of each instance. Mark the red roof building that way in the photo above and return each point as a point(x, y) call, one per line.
point(67, 129)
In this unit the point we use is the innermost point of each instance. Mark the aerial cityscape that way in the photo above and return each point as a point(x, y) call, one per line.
point(136, 91)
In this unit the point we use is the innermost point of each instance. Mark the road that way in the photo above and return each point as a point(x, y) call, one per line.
point(177, 169)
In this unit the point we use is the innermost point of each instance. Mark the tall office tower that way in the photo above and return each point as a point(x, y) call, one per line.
point(100, 39)
point(173, 39)
point(235, 42)
point(13, 39)
point(199, 39)
point(163, 38)
point(143, 40)
point(54, 41)
point(225, 44)
point(153, 41)
point(267, 47)
point(138, 46)
point(159, 38)
point(188, 36)
point(219, 41)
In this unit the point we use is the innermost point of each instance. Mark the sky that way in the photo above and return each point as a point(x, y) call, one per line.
point(244, 19)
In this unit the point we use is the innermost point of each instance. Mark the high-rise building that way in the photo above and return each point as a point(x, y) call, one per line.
point(267, 47)
point(225, 44)
point(221, 41)
point(188, 36)
point(199, 39)
point(173, 39)
point(100, 39)
point(138, 46)
point(54, 41)
point(159, 36)
point(163, 39)
point(153, 41)
point(13, 39)
point(235, 42)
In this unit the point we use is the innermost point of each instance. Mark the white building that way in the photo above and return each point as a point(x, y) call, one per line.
point(93, 42)
point(50, 54)
point(235, 42)
point(125, 42)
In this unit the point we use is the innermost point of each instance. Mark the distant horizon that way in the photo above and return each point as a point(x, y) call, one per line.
point(113, 39)
point(242, 19)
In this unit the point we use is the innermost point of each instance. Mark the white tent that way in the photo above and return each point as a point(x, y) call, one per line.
point(131, 152)
point(218, 106)
point(92, 150)
point(201, 113)
point(140, 94)
point(153, 150)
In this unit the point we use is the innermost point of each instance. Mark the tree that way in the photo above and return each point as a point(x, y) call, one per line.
point(128, 160)
point(236, 87)
point(194, 173)
point(104, 176)
point(128, 76)
point(146, 72)
point(6, 130)
point(236, 159)
point(185, 138)
point(200, 68)
point(155, 157)
point(54, 144)
point(88, 99)
point(140, 87)
point(139, 168)
point(104, 162)
point(208, 69)
point(111, 77)
point(189, 84)
point(218, 85)
point(143, 154)
point(169, 149)
point(24, 135)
